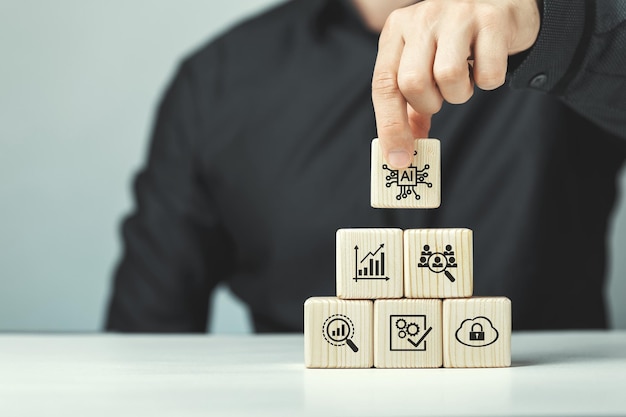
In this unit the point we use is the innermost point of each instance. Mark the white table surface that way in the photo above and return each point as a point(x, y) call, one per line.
point(568, 373)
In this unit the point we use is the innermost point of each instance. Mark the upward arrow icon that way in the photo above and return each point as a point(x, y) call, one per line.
point(382, 245)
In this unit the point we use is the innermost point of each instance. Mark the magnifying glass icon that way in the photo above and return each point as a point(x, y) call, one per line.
point(438, 262)
point(339, 331)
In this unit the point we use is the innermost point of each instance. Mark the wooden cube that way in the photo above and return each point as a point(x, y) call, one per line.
point(369, 263)
point(338, 333)
point(418, 186)
point(407, 333)
point(438, 263)
point(477, 332)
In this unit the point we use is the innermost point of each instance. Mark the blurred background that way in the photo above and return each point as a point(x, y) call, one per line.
point(79, 83)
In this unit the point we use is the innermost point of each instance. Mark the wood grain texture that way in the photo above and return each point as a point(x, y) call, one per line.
point(461, 317)
point(369, 263)
point(418, 186)
point(407, 333)
point(334, 328)
point(438, 263)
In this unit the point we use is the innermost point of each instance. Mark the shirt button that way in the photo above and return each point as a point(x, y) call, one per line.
point(539, 81)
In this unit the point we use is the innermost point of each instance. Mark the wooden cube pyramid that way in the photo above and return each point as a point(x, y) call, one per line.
point(369, 323)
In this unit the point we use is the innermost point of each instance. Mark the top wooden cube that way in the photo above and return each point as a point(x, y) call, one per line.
point(418, 186)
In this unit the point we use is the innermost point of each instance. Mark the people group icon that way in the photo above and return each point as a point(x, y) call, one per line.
point(438, 262)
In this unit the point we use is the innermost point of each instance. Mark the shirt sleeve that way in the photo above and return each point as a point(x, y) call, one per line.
point(175, 251)
point(580, 56)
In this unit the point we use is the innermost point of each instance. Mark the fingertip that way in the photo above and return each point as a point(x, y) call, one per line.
point(398, 158)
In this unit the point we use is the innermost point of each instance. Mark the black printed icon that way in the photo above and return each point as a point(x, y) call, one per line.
point(371, 266)
point(338, 330)
point(408, 332)
point(407, 179)
point(438, 262)
point(476, 332)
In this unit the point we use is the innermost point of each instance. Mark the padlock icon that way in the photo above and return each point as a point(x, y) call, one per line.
point(477, 335)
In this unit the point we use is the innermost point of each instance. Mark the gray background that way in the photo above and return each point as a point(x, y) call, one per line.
point(79, 81)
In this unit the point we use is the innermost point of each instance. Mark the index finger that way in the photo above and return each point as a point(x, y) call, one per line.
point(390, 106)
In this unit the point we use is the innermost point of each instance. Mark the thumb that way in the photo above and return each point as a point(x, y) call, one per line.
point(420, 123)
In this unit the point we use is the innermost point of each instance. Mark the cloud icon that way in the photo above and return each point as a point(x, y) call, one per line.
point(476, 332)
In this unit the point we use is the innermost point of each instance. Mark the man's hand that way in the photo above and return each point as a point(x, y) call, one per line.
point(437, 50)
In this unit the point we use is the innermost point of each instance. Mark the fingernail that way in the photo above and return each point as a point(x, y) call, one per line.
point(399, 158)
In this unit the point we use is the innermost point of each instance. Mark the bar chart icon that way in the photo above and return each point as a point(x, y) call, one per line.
point(371, 266)
point(339, 332)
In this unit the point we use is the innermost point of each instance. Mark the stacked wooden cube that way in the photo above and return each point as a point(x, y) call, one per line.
point(404, 297)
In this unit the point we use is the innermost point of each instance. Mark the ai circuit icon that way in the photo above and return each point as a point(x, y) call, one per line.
point(407, 180)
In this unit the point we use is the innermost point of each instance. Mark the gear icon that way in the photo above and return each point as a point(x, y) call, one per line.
point(408, 332)
point(400, 324)
point(412, 329)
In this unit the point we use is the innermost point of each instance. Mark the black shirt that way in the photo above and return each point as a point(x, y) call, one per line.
point(261, 151)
